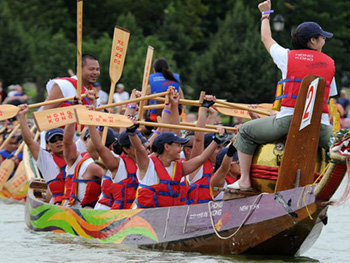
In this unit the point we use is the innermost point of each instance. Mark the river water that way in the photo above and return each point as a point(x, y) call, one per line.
point(19, 244)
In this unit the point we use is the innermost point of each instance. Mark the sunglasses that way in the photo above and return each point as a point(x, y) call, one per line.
point(55, 139)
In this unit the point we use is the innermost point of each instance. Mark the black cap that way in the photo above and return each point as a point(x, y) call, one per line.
point(110, 137)
point(124, 140)
point(220, 157)
point(50, 133)
point(311, 29)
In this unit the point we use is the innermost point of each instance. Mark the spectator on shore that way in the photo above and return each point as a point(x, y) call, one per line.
point(17, 96)
point(344, 102)
point(103, 96)
point(120, 95)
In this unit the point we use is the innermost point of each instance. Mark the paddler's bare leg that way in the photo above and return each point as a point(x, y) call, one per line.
point(245, 161)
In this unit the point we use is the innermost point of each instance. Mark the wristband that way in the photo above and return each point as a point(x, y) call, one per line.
point(132, 134)
point(231, 150)
point(132, 129)
point(267, 12)
point(219, 139)
point(131, 107)
point(167, 111)
point(156, 132)
point(207, 103)
point(265, 17)
point(99, 128)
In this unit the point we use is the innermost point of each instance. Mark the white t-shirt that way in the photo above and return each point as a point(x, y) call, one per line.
point(103, 98)
point(67, 88)
point(151, 176)
point(118, 97)
point(280, 58)
point(47, 166)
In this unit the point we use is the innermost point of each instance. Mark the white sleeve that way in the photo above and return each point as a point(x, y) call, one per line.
point(80, 146)
point(47, 165)
point(280, 58)
point(333, 91)
point(151, 176)
point(67, 88)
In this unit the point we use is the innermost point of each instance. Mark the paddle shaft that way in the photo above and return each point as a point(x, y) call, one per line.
point(132, 100)
point(39, 104)
point(179, 127)
point(9, 137)
point(79, 44)
point(146, 72)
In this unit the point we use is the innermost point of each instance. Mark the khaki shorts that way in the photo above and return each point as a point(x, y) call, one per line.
point(269, 129)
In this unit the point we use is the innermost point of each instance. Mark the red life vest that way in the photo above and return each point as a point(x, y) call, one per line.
point(106, 191)
point(93, 188)
point(74, 82)
point(166, 193)
point(124, 192)
point(69, 185)
point(57, 185)
point(300, 64)
point(199, 192)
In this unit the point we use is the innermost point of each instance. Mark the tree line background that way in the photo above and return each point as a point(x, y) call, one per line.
point(213, 44)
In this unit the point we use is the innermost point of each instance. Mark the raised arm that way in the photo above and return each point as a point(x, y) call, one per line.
point(170, 113)
point(198, 144)
point(28, 136)
point(218, 178)
point(70, 152)
point(110, 161)
point(266, 36)
point(142, 160)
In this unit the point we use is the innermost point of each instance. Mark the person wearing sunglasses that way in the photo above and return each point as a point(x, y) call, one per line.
point(50, 162)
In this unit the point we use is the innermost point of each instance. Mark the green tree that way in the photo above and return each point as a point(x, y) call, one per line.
point(15, 58)
point(236, 66)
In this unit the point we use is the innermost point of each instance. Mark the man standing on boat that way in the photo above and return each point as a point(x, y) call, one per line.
point(306, 58)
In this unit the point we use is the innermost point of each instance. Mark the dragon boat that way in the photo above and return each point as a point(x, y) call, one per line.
point(284, 217)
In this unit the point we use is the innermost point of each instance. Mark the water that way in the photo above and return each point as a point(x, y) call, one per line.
point(19, 244)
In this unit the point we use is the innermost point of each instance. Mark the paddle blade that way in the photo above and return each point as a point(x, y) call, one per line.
point(8, 111)
point(233, 112)
point(6, 168)
point(118, 54)
point(87, 117)
point(53, 118)
point(18, 181)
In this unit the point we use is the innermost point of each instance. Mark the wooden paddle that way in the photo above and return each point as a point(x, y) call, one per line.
point(116, 65)
point(53, 118)
point(79, 46)
point(8, 111)
point(8, 165)
point(87, 117)
point(241, 107)
point(20, 179)
point(10, 136)
point(147, 70)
